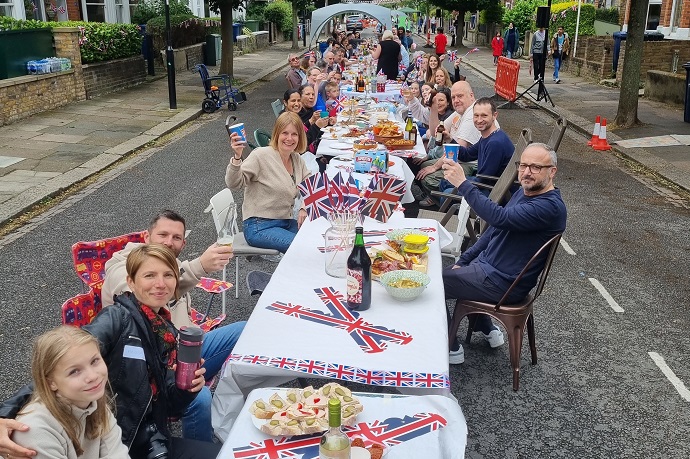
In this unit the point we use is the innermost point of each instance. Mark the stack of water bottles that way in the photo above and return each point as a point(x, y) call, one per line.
point(48, 65)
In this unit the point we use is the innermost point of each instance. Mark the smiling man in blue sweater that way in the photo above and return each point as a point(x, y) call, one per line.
point(534, 214)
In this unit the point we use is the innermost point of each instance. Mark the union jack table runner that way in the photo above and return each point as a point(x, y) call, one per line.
point(391, 432)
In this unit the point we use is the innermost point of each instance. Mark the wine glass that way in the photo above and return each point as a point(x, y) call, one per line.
point(226, 234)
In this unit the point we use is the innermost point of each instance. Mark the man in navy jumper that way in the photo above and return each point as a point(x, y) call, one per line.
point(493, 150)
point(533, 215)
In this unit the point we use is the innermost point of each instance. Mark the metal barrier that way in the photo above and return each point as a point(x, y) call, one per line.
point(507, 74)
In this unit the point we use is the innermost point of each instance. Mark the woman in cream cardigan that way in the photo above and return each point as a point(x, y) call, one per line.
point(269, 177)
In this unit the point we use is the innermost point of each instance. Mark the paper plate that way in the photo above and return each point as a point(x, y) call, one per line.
point(341, 146)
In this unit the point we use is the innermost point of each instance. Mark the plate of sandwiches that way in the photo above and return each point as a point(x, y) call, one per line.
point(290, 412)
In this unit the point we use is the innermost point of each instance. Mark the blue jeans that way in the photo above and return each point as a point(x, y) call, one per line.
point(556, 66)
point(509, 54)
point(268, 233)
point(218, 344)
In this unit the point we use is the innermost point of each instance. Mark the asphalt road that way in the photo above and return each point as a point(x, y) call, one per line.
point(595, 392)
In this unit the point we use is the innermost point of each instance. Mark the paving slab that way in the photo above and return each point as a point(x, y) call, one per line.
point(80, 139)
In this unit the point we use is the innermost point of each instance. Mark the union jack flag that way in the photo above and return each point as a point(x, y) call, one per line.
point(314, 191)
point(370, 338)
point(338, 105)
point(418, 61)
point(404, 87)
point(473, 50)
point(402, 67)
point(310, 54)
point(391, 431)
point(452, 55)
point(386, 192)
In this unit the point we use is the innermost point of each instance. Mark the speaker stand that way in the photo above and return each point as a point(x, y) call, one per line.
point(542, 92)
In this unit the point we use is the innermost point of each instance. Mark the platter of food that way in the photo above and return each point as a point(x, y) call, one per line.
point(399, 144)
point(290, 412)
point(375, 450)
point(365, 145)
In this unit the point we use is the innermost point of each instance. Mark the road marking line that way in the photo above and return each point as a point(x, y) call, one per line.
point(670, 375)
point(606, 295)
point(567, 247)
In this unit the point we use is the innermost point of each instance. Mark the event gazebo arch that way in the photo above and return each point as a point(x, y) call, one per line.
point(321, 16)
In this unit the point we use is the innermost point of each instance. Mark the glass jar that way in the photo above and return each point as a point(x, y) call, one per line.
point(339, 240)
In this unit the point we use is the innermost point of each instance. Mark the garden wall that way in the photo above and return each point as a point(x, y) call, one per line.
point(658, 55)
point(24, 96)
point(104, 77)
point(665, 87)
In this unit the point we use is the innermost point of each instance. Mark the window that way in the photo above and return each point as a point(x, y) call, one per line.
point(653, 16)
point(676, 14)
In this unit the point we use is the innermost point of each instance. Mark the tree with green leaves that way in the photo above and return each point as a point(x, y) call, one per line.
point(630, 81)
point(463, 6)
point(225, 7)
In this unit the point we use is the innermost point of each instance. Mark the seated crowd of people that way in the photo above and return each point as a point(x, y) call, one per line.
point(130, 346)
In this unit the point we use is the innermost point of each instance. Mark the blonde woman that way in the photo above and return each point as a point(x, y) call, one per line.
point(388, 54)
point(269, 177)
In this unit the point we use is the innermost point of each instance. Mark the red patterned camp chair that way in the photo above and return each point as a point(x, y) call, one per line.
point(81, 309)
point(89, 262)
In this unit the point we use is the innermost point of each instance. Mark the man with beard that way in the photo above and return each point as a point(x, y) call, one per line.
point(534, 214)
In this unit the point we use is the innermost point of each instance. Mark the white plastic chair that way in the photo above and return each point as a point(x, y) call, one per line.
point(219, 209)
point(277, 106)
point(456, 225)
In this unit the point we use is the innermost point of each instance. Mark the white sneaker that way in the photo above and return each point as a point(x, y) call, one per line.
point(456, 357)
point(273, 258)
point(495, 337)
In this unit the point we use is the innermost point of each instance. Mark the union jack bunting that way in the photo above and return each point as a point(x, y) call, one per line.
point(370, 338)
point(348, 373)
point(391, 431)
point(314, 191)
point(386, 193)
point(452, 55)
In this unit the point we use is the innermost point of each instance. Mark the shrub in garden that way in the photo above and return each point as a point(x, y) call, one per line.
point(280, 13)
point(185, 30)
point(149, 9)
point(521, 15)
point(565, 15)
point(8, 23)
point(609, 15)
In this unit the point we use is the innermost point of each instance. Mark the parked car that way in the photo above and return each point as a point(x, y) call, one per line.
point(354, 23)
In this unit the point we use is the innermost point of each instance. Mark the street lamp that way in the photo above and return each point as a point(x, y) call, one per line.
point(170, 59)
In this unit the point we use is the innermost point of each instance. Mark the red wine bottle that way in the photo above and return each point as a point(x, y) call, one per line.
point(359, 275)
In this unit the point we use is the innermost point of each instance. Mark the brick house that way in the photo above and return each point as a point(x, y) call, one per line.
point(670, 17)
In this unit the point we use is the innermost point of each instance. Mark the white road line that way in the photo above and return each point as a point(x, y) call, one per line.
point(670, 375)
point(567, 247)
point(606, 295)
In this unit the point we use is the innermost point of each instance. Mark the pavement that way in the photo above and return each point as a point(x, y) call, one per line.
point(47, 153)
point(580, 100)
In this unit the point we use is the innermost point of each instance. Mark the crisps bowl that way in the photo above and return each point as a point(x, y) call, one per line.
point(404, 293)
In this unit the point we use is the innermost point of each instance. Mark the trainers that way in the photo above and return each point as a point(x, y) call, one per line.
point(456, 357)
point(494, 337)
point(558, 80)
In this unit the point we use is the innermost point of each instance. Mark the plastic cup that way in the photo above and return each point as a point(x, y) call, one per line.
point(324, 114)
point(238, 128)
point(451, 150)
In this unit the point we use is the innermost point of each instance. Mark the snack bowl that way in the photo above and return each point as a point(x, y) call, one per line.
point(394, 281)
point(364, 145)
point(399, 234)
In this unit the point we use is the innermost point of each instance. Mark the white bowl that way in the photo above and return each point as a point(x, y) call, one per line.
point(404, 294)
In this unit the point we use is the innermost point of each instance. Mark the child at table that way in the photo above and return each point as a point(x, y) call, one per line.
point(68, 416)
point(332, 91)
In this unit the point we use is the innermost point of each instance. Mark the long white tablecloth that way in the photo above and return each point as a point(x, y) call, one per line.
point(404, 345)
point(431, 426)
point(391, 94)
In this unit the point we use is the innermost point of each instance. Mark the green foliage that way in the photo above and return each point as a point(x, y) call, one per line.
point(492, 14)
point(149, 9)
point(569, 21)
point(522, 14)
point(185, 30)
point(610, 15)
point(99, 41)
point(9, 23)
point(255, 9)
point(279, 12)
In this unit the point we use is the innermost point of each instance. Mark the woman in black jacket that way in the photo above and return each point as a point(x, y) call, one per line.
point(139, 344)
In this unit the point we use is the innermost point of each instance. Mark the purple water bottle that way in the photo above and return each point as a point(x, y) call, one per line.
point(188, 356)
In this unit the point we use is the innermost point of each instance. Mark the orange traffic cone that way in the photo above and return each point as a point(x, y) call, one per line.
point(602, 144)
point(595, 133)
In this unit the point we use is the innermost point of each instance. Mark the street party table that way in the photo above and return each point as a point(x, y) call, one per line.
point(406, 425)
point(391, 94)
point(400, 169)
point(301, 327)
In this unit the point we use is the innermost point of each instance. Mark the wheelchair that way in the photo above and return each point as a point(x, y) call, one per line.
point(219, 91)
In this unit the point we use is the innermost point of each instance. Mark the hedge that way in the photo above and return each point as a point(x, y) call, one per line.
point(185, 30)
point(98, 41)
point(565, 15)
point(279, 12)
point(609, 15)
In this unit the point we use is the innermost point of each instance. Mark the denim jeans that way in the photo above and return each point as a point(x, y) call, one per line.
point(510, 54)
point(218, 344)
point(556, 67)
point(269, 233)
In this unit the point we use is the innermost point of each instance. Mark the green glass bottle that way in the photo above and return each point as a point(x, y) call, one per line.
point(334, 443)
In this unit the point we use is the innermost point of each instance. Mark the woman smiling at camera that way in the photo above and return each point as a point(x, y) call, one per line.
point(269, 177)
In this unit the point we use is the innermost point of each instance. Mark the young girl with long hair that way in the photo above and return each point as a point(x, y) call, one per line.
point(68, 415)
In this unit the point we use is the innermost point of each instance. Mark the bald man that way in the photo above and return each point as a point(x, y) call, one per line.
point(534, 214)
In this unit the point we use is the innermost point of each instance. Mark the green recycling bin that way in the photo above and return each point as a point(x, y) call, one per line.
point(212, 51)
point(252, 24)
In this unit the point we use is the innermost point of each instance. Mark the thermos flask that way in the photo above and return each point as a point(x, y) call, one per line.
point(188, 356)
